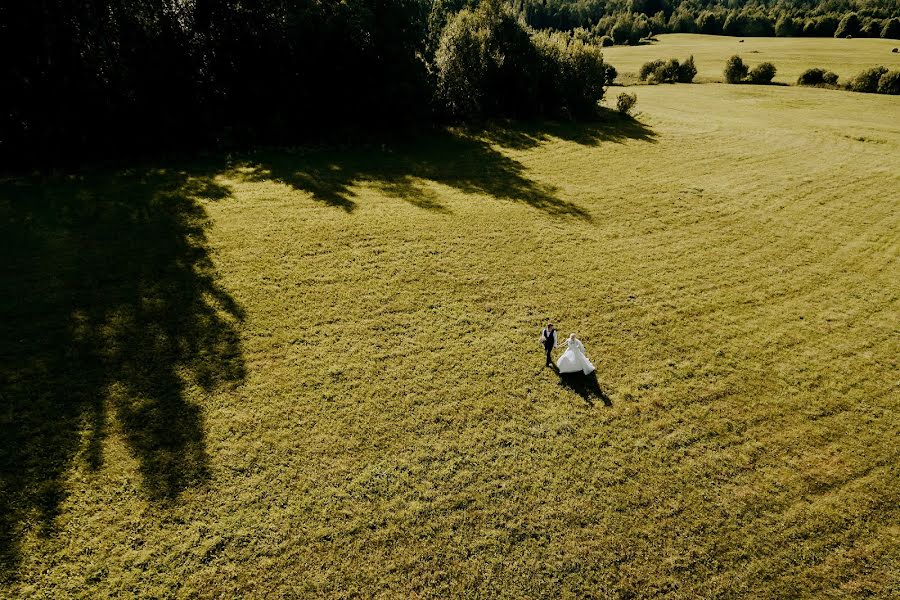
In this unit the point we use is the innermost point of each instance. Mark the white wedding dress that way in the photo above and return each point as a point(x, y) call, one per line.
point(574, 360)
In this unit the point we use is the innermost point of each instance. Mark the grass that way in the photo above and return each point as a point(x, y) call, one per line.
point(791, 56)
point(317, 372)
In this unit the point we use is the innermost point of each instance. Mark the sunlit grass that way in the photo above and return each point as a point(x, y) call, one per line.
point(791, 56)
point(731, 264)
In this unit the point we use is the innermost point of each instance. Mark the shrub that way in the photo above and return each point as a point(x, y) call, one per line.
point(687, 71)
point(625, 103)
point(867, 81)
point(669, 71)
point(611, 74)
point(848, 27)
point(763, 73)
point(735, 70)
point(649, 67)
point(889, 83)
point(572, 74)
point(606, 41)
point(817, 77)
point(891, 29)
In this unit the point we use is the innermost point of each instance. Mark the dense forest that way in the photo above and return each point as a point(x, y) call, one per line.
point(107, 77)
point(103, 78)
point(628, 21)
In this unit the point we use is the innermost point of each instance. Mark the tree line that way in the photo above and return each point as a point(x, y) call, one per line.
point(629, 21)
point(107, 77)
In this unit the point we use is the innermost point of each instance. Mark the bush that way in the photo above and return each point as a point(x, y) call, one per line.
point(891, 29)
point(572, 75)
point(687, 71)
point(867, 81)
point(648, 68)
point(735, 70)
point(817, 77)
point(606, 41)
point(625, 103)
point(669, 71)
point(611, 74)
point(848, 27)
point(763, 73)
point(889, 83)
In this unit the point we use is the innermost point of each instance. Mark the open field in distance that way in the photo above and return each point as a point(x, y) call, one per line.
point(791, 56)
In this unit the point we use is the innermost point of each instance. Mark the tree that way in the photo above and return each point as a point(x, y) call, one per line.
point(848, 26)
point(891, 29)
point(762, 74)
point(786, 27)
point(687, 71)
point(710, 23)
point(735, 70)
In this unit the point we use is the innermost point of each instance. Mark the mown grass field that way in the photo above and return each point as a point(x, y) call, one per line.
point(316, 373)
point(791, 56)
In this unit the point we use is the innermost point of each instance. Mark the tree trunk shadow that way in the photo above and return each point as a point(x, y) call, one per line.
point(110, 308)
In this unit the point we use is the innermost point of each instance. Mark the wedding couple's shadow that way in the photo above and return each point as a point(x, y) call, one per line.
point(585, 386)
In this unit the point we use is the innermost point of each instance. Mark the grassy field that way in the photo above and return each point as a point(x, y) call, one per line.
point(791, 56)
point(316, 373)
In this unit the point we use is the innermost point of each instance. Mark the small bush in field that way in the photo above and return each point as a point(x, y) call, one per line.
point(625, 103)
point(817, 77)
point(889, 83)
point(735, 70)
point(867, 81)
point(763, 73)
point(668, 71)
point(611, 74)
point(606, 41)
point(649, 67)
point(687, 71)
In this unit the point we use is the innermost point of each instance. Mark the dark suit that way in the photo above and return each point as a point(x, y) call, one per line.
point(549, 343)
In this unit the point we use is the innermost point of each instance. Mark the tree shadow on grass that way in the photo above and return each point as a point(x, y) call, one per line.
point(469, 161)
point(109, 302)
point(607, 127)
point(585, 386)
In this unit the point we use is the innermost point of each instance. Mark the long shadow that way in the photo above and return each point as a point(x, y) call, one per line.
point(110, 309)
point(607, 127)
point(470, 161)
point(585, 386)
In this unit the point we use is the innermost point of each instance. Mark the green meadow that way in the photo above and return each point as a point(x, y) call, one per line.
point(790, 55)
point(316, 372)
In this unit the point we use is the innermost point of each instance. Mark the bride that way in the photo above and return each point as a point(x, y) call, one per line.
point(573, 359)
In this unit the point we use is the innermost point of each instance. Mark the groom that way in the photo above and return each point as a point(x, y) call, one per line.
point(548, 339)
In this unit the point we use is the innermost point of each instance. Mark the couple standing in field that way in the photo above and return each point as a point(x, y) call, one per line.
point(573, 359)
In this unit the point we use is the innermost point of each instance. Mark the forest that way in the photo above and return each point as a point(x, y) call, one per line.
point(103, 79)
point(628, 21)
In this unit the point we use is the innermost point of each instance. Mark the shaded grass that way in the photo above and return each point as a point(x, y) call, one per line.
point(730, 262)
